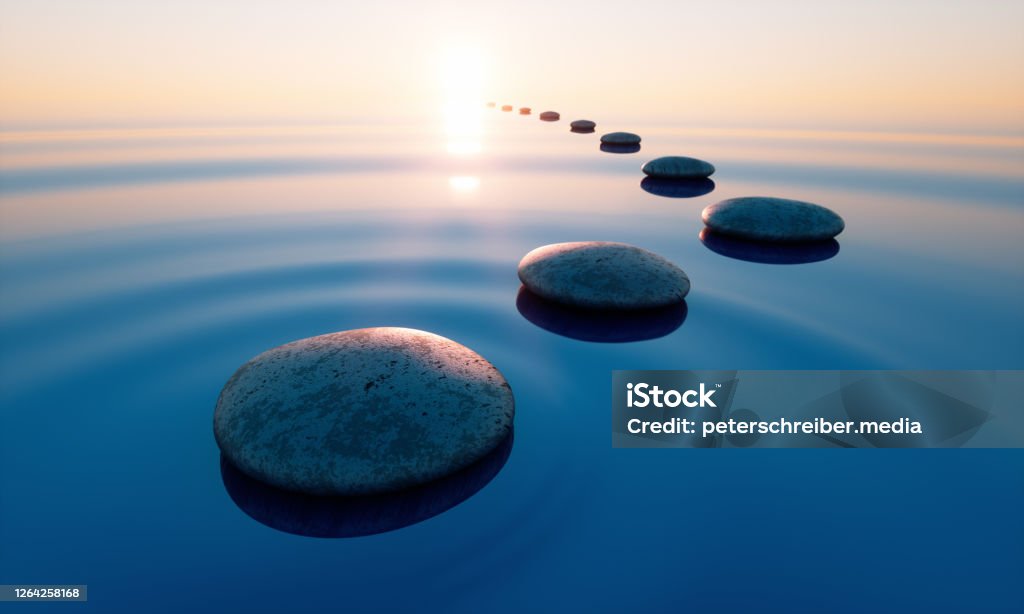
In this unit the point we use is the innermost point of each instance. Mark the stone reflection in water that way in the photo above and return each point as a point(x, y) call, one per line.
point(769, 253)
point(619, 149)
point(600, 325)
point(316, 516)
point(677, 188)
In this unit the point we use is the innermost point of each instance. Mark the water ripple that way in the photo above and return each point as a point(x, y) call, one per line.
point(1005, 190)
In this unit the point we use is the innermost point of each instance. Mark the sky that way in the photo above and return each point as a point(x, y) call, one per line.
point(949, 66)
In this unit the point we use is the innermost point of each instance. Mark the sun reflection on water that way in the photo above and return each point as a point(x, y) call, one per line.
point(464, 184)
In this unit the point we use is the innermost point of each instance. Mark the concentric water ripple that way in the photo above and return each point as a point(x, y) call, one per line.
point(137, 274)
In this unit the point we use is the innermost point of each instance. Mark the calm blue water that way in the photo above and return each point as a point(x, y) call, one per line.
point(139, 269)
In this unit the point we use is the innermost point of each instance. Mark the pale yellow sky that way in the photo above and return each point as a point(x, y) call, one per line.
point(949, 66)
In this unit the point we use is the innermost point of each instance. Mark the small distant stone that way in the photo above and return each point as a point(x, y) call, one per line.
point(678, 167)
point(620, 138)
point(506, 107)
point(550, 116)
point(763, 218)
point(491, 105)
point(583, 125)
point(362, 411)
point(603, 275)
point(524, 110)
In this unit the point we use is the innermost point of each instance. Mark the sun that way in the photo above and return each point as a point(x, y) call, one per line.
point(461, 82)
point(462, 75)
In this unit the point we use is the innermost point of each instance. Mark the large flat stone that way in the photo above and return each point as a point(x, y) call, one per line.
point(362, 411)
point(603, 275)
point(763, 218)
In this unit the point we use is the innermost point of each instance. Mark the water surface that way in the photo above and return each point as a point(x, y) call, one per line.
point(140, 268)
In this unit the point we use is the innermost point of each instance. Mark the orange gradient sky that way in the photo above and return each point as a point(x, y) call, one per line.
point(952, 66)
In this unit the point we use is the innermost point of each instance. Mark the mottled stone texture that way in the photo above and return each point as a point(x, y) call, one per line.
point(620, 138)
point(602, 275)
point(583, 125)
point(550, 116)
point(678, 167)
point(762, 218)
point(362, 411)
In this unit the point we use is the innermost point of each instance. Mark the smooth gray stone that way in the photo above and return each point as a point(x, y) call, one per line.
point(678, 167)
point(524, 110)
point(550, 116)
point(620, 138)
point(582, 124)
point(763, 218)
point(602, 275)
point(362, 411)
